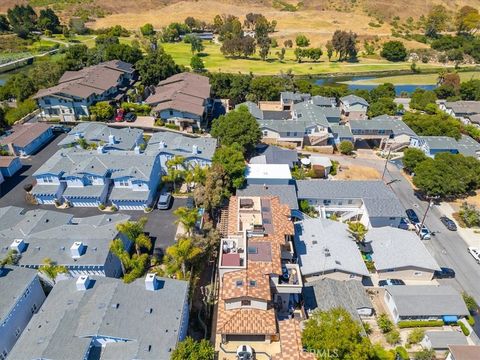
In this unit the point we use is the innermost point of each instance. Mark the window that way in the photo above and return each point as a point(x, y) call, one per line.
point(34, 308)
point(417, 273)
point(171, 112)
point(392, 218)
point(288, 133)
point(123, 182)
point(252, 250)
point(47, 101)
point(239, 283)
point(253, 283)
point(327, 202)
point(265, 132)
point(246, 303)
point(350, 202)
point(3, 355)
point(18, 332)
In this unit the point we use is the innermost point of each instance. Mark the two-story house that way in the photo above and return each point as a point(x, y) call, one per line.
point(90, 178)
point(371, 201)
point(82, 245)
point(110, 138)
point(384, 131)
point(78, 90)
point(432, 145)
point(288, 99)
point(88, 316)
point(194, 150)
point(22, 295)
point(462, 110)
point(353, 107)
point(182, 99)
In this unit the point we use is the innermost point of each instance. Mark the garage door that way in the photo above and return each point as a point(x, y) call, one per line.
point(129, 207)
point(246, 338)
point(83, 203)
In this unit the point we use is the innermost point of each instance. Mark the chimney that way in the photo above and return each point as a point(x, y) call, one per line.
point(82, 282)
point(77, 249)
point(111, 139)
point(151, 282)
point(18, 245)
point(161, 145)
point(194, 149)
point(100, 149)
point(137, 150)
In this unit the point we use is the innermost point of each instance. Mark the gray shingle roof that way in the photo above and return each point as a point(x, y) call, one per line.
point(52, 233)
point(342, 131)
point(286, 193)
point(77, 162)
point(323, 101)
point(464, 107)
point(13, 282)
point(283, 126)
point(427, 300)
point(377, 197)
point(465, 146)
point(253, 108)
point(324, 245)
point(440, 339)
point(326, 294)
point(306, 111)
point(353, 99)
point(125, 138)
point(275, 155)
point(382, 122)
point(293, 96)
point(149, 320)
point(395, 248)
point(178, 144)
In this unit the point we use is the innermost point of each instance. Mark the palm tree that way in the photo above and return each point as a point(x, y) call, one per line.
point(195, 174)
point(358, 230)
point(175, 170)
point(186, 217)
point(183, 253)
point(51, 269)
point(118, 249)
point(134, 230)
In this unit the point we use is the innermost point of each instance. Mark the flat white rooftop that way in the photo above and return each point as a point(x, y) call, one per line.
point(268, 171)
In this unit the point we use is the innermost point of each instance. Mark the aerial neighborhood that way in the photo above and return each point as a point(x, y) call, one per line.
point(152, 208)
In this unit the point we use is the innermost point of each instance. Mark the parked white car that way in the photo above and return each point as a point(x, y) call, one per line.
point(424, 233)
point(475, 252)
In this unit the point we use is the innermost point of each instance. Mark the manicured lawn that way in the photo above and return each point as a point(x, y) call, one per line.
point(216, 62)
point(414, 79)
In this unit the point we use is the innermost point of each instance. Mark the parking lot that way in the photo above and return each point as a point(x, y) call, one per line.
point(160, 225)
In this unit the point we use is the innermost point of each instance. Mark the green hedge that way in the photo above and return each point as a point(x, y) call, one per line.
point(471, 320)
point(402, 353)
point(138, 109)
point(464, 328)
point(419, 323)
point(23, 109)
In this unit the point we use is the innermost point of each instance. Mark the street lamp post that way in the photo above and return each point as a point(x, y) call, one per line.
point(386, 161)
point(430, 203)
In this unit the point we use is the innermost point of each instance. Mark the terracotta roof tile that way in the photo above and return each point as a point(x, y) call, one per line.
point(246, 283)
point(245, 321)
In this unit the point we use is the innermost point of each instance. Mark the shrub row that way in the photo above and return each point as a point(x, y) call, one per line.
point(419, 323)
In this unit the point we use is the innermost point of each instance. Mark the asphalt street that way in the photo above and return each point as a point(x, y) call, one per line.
point(448, 247)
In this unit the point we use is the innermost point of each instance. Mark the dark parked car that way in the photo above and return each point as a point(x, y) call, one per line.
point(389, 282)
point(130, 117)
point(444, 273)
point(61, 128)
point(412, 216)
point(449, 223)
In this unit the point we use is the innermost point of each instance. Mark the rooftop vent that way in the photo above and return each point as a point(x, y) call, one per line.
point(162, 145)
point(137, 150)
point(194, 149)
point(111, 139)
point(100, 149)
point(83, 282)
point(77, 249)
point(151, 282)
point(18, 245)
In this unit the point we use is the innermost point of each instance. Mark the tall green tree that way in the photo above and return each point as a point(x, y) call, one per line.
point(344, 44)
point(437, 21)
point(302, 41)
point(412, 157)
point(19, 86)
point(134, 231)
point(175, 170)
point(438, 124)
point(196, 63)
point(193, 350)
point(467, 20)
point(48, 20)
point(215, 190)
point(237, 126)
point(4, 24)
point(336, 334)
point(157, 65)
point(232, 160)
point(147, 30)
point(394, 51)
point(50, 269)
point(22, 19)
point(102, 111)
point(383, 106)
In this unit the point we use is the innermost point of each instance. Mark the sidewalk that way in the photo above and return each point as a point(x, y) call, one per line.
point(468, 235)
